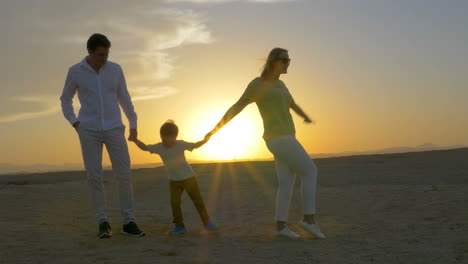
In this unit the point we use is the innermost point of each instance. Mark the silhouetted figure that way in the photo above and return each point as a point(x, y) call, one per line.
point(274, 101)
point(101, 89)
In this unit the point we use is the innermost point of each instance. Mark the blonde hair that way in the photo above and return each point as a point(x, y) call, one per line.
point(274, 54)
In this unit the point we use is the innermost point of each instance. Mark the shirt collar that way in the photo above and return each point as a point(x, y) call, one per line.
point(84, 63)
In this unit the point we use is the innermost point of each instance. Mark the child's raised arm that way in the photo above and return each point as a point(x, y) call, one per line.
point(141, 145)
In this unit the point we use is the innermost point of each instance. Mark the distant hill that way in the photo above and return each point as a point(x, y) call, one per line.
point(423, 147)
point(8, 168)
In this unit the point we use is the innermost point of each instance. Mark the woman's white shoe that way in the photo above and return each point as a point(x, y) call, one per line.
point(313, 229)
point(286, 232)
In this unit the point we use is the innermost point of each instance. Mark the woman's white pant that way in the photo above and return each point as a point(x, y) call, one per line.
point(292, 159)
point(116, 144)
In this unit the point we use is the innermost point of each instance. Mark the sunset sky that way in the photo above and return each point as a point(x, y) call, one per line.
point(373, 74)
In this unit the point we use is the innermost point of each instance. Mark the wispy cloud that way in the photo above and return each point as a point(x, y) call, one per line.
point(199, 1)
point(272, 1)
point(48, 106)
point(190, 30)
point(146, 93)
point(145, 34)
point(226, 1)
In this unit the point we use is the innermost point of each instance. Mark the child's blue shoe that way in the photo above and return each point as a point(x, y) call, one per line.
point(177, 231)
point(211, 226)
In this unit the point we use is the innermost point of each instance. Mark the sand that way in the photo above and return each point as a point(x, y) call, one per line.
point(397, 208)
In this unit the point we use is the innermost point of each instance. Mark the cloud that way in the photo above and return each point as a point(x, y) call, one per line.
point(199, 1)
point(190, 30)
point(145, 36)
point(226, 1)
point(47, 107)
point(272, 1)
point(146, 93)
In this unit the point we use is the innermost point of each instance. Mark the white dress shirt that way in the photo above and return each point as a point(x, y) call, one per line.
point(100, 95)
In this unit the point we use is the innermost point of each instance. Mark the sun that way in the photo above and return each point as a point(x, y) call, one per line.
point(233, 141)
point(236, 140)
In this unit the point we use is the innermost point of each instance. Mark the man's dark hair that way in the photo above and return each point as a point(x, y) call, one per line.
point(97, 40)
point(169, 129)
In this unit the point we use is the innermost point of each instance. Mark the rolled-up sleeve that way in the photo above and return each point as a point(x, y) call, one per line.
point(125, 101)
point(69, 91)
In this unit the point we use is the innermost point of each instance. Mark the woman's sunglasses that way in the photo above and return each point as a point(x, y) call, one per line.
point(285, 60)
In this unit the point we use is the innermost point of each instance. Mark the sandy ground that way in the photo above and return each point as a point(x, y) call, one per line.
point(398, 208)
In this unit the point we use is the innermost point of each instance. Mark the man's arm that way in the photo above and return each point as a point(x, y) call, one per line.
point(66, 99)
point(125, 102)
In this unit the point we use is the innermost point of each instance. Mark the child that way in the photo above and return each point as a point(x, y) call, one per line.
point(181, 175)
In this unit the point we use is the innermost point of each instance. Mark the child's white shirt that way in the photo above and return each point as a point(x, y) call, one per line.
point(176, 165)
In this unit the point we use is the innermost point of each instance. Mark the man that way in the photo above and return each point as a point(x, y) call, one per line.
point(101, 89)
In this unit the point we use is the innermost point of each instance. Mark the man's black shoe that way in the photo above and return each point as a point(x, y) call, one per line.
point(132, 229)
point(105, 230)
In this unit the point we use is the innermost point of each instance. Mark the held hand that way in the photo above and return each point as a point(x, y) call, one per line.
point(76, 124)
point(133, 134)
point(201, 143)
point(309, 121)
point(208, 136)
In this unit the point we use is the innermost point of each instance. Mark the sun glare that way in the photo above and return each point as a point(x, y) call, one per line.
point(236, 140)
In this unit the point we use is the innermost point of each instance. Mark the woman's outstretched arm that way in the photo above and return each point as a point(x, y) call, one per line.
point(300, 112)
point(234, 110)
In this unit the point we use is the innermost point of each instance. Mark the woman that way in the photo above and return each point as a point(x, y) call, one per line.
point(274, 100)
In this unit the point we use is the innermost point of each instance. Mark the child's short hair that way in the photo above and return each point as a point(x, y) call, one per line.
point(169, 129)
